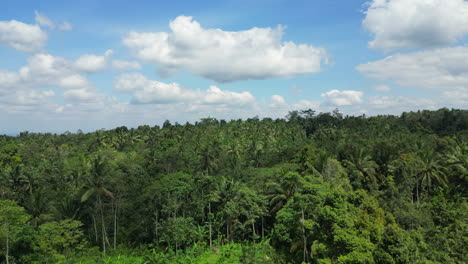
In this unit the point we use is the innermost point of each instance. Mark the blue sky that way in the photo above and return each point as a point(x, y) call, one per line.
point(99, 64)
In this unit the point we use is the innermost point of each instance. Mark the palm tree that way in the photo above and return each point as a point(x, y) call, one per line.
point(39, 206)
point(458, 165)
point(209, 153)
point(431, 170)
point(18, 181)
point(283, 190)
point(96, 186)
point(362, 165)
point(226, 192)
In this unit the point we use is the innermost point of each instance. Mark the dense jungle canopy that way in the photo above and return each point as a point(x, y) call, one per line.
point(312, 187)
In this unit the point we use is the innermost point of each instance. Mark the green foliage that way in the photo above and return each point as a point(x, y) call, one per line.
point(334, 224)
point(13, 220)
point(231, 253)
point(314, 188)
point(180, 232)
point(56, 239)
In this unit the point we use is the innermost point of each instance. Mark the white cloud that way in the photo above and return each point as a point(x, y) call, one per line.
point(27, 97)
point(224, 56)
point(43, 68)
point(33, 97)
point(146, 91)
point(73, 81)
point(8, 80)
point(403, 24)
point(399, 103)
point(92, 63)
point(342, 98)
point(279, 107)
point(442, 69)
point(125, 65)
point(65, 26)
point(215, 95)
point(382, 88)
point(129, 82)
point(277, 100)
point(44, 71)
point(80, 95)
point(457, 97)
point(43, 21)
point(306, 104)
point(21, 36)
point(155, 92)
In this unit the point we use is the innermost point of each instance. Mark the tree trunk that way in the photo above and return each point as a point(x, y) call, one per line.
point(417, 190)
point(203, 207)
point(156, 228)
point(115, 224)
point(304, 236)
point(107, 240)
point(95, 227)
point(102, 226)
point(209, 222)
point(7, 248)
point(253, 230)
point(412, 196)
point(263, 230)
point(227, 230)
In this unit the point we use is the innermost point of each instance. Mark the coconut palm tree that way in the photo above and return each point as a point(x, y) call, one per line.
point(97, 187)
point(361, 164)
point(431, 170)
point(458, 165)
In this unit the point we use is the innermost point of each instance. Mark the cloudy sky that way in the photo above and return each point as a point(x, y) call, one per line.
point(69, 65)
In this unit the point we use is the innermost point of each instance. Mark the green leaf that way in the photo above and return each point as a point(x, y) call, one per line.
point(87, 194)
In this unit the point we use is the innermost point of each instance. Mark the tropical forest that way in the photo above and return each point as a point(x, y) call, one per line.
point(307, 188)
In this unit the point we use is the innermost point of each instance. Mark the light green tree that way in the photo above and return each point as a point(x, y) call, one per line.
point(13, 219)
point(55, 238)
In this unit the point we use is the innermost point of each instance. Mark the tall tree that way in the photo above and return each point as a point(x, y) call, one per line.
point(13, 219)
point(97, 186)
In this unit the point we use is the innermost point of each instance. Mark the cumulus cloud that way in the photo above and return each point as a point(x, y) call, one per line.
point(403, 24)
point(342, 98)
point(145, 91)
point(277, 100)
point(399, 103)
point(44, 70)
point(125, 65)
point(33, 97)
point(224, 56)
point(44, 21)
point(443, 69)
point(27, 97)
point(382, 88)
point(93, 63)
point(457, 97)
point(80, 95)
point(8, 80)
point(72, 81)
point(306, 104)
point(215, 95)
point(21, 36)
